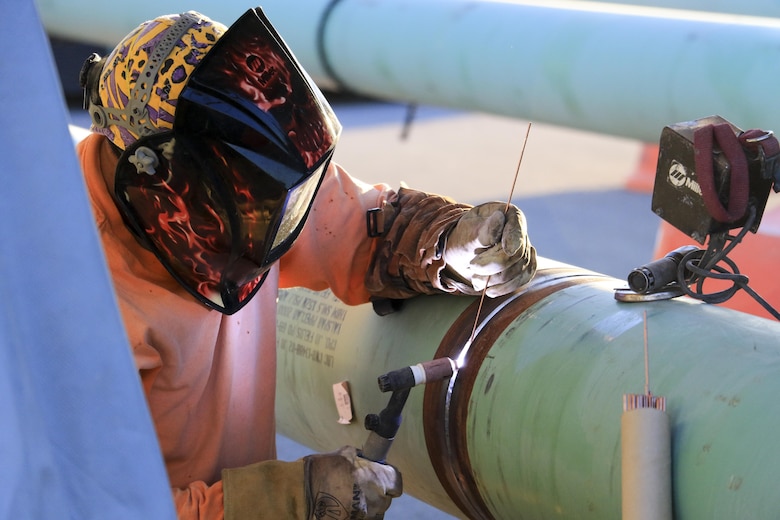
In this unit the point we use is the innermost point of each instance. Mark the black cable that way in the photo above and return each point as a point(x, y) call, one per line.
point(697, 266)
point(715, 272)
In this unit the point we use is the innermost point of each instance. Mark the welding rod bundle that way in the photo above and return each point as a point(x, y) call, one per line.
point(646, 457)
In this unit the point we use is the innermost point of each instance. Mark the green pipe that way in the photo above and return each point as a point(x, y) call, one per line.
point(529, 426)
point(603, 67)
point(768, 8)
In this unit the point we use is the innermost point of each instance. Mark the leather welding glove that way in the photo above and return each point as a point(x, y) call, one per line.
point(489, 245)
point(339, 485)
point(343, 480)
point(432, 244)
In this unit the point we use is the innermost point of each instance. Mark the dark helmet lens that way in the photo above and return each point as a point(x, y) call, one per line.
point(224, 194)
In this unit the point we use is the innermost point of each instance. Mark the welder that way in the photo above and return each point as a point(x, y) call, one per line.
point(210, 149)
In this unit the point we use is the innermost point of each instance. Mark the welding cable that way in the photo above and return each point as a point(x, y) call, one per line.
point(708, 266)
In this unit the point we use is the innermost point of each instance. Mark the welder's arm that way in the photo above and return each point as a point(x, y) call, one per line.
point(429, 244)
point(338, 484)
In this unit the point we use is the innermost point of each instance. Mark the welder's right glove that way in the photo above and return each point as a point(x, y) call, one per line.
point(339, 484)
point(489, 246)
point(431, 244)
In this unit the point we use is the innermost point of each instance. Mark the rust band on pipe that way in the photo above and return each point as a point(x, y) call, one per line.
point(446, 403)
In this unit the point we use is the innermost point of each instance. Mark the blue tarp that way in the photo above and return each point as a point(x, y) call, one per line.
point(76, 439)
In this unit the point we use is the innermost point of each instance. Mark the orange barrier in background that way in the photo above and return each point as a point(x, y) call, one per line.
point(757, 257)
point(643, 178)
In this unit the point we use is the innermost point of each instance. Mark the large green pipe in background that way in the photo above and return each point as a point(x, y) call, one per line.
point(769, 8)
point(529, 426)
point(603, 67)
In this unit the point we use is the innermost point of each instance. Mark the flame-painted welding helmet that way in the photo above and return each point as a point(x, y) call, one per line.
point(224, 193)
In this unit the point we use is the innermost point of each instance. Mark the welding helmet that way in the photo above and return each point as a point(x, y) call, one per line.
point(222, 192)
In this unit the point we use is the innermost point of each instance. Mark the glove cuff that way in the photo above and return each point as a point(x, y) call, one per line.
point(271, 489)
point(408, 259)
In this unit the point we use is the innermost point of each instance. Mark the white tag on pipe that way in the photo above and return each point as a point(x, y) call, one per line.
point(343, 402)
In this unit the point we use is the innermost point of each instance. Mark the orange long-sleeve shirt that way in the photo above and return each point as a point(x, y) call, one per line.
point(210, 378)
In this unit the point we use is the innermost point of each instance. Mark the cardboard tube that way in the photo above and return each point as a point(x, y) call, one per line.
point(646, 465)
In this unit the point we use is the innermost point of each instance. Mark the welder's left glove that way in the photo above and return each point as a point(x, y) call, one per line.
point(489, 245)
